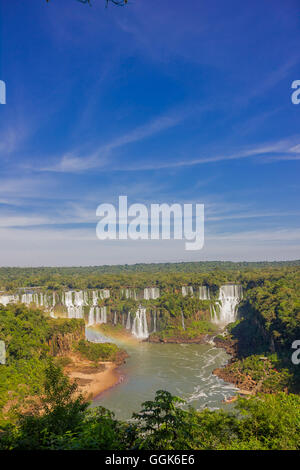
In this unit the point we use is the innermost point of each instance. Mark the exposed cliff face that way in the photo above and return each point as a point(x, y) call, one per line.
point(61, 343)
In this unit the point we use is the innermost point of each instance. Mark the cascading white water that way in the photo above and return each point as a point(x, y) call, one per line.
point(128, 322)
point(225, 311)
point(7, 299)
point(182, 320)
point(154, 322)
point(74, 301)
point(101, 315)
point(75, 310)
point(27, 299)
point(104, 294)
point(151, 293)
point(187, 290)
point(68, 299)
point(115, 318)
point(97, 314)
point(95, 298)
point(79, 299)
point(45, 302)
point(139, 325)
point(146, 294)
point(204, 293)
point(91, 320)
point(128, 293)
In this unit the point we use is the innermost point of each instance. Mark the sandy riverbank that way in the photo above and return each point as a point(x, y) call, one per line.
point(93, 380)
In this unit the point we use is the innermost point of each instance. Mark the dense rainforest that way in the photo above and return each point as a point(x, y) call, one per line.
point(167, 275)
point(40, 408)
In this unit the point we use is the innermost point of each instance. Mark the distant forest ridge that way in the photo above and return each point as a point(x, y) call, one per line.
point(185, 267)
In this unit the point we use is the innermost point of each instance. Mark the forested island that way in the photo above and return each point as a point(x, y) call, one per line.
point(44, 399)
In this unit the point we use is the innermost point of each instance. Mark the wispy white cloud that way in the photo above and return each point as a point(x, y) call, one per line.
point(71, 162)
point(279, 150)
point(101, 158)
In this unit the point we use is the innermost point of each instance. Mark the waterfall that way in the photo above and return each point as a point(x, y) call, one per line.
point(154, 322)
point(115, 318)
point(73, 301)
point(101, 316)
point(45, 301)
point(204, 293)
point(128, 293)
point(6, 299)
point(139, 325)
point(104, 294)
point(128, 322)
point(27, 299)
point(213, 313)
point(151, 293)
point(68, 299)
point(91, 320)
point(229, 298)
point(187, 290)
point(95, 298)
point(182, 320)
point(75, 310)
point(79, 299)
point(97, 320)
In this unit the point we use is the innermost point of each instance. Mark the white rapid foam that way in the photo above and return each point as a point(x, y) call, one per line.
point(225, 311)
point(139, 325)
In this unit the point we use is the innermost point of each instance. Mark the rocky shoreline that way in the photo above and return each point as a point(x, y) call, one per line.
point(198, 340)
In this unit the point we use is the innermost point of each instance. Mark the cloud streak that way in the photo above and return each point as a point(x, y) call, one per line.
point(100, 157)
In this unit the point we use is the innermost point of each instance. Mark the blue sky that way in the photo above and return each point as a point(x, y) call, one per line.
point(161, 101)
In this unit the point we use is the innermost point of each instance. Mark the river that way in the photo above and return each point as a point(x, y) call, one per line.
point(184, 370)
